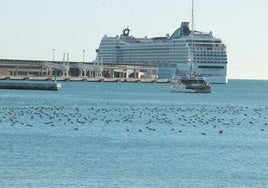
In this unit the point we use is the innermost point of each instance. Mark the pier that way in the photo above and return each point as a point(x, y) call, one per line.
point(41, 70)
point(80, 70)
point(84, 79)
point(29, 85)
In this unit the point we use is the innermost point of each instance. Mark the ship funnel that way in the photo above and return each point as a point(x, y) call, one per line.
point(182, 31)
point(185, 29)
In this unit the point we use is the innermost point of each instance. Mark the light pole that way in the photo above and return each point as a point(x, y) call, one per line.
point(53, 54)
point(84, 55)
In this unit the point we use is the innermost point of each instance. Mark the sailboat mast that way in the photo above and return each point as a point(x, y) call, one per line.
point(192, 16)
point(192, 43)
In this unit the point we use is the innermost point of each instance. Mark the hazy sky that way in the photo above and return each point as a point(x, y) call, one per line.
point(30, 29)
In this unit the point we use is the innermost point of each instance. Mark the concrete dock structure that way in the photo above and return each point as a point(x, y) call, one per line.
point(65, 69)
point(30, 85)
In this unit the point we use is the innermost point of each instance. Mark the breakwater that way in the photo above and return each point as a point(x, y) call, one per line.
point(29, 85)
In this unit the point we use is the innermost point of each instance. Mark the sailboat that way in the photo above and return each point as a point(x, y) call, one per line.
point(190, 82)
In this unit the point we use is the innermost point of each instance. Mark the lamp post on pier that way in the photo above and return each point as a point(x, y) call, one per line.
point(84, 55)
point(53, 57)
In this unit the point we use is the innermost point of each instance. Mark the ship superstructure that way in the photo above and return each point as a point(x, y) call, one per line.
point(169, 53)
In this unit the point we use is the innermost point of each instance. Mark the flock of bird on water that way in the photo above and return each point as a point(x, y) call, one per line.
point(139, 119)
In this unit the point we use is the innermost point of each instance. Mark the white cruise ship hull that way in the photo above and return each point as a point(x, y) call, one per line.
point(169, 53)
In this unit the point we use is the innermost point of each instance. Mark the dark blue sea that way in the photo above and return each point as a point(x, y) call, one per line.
point(134, 135)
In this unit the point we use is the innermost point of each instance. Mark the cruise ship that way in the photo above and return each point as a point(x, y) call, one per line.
point(169, 53)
